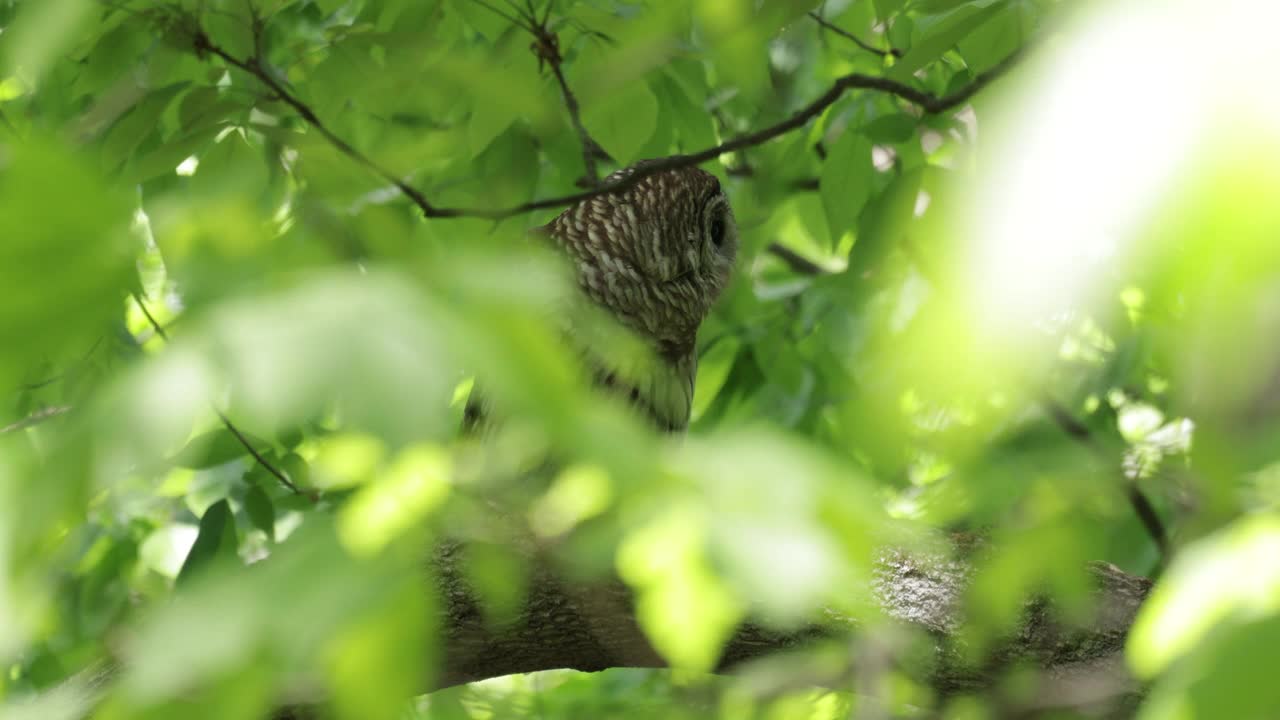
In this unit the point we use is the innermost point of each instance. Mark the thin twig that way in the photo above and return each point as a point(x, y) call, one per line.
point(895, 52)
point(801, 184)
point(255, 68)
point(35, 418)
point(37, 384)
point(930, 104)
point(794, 260)
point(571, 104)
point(1141, 504)
point(256, 455)
point(546, 46)
point(235, 431)
point(8, 124)
point(513, 20)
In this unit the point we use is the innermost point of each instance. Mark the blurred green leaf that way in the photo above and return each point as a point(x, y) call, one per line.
point(943, 33)
point(886, 222)
point(713, 370)
point(397, 500)
point(260, 511)
point(70, 269)
point(211, 449)
point(42, 32)
point(1229, 674)
point(1229, 577)
point(685, 610)
point(216, 541)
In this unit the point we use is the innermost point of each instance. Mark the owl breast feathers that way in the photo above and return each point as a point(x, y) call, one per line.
point(654, 257)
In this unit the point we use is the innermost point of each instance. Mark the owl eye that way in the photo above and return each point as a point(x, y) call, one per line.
point(717, 231)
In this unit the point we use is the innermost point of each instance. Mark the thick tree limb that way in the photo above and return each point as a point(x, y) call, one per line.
point(593, 628)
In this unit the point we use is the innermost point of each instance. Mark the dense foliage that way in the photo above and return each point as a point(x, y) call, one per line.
point(1014, 273)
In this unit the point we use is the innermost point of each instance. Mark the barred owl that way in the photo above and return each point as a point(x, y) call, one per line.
point(655, 258)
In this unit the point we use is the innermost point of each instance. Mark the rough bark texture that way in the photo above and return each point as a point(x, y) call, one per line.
point(592, 628)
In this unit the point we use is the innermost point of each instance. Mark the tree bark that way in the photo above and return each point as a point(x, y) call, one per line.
point(593, 627)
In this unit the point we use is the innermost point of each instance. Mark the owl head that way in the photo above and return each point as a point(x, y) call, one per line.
point(657, 255)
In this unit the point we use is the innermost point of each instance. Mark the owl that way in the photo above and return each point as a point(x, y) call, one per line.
point(654, 258)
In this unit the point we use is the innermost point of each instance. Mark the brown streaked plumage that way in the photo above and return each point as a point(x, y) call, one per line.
point(655, 257)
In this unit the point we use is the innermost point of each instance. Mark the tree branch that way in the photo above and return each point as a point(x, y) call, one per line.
point(254, 67)
point(226, 422)
point(1140, 503)
point(930, 104)
point(592, 628)
point(854, 38)
point(546, 46)
point(571, 104)
point(798, 263)
point(35, 418)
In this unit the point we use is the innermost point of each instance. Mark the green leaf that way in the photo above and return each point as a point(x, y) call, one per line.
point(885, 9)
point(297, 469)
point(231, 27)
point(231, 167)
point(211, 449)
point(845, 182)
point(943, 35)
point(42, 32)
point(1225, 578)
point(623, 121)
point(165, 159)
point(886, 221)
point(216, 540)
point(713, 370)
point(995, 40)
point(396, 501)
point(137, 125)
point(260, 511)
point(789, 390)
point(205, 107)
point(1232, 675)
point(481, 19)
point(936, 7)
point(891, 128)
point(686, 611)
point(65, 259)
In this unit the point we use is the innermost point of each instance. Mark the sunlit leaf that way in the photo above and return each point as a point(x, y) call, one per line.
point(686, 611)
point(1230, 577)
point(397, 500)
